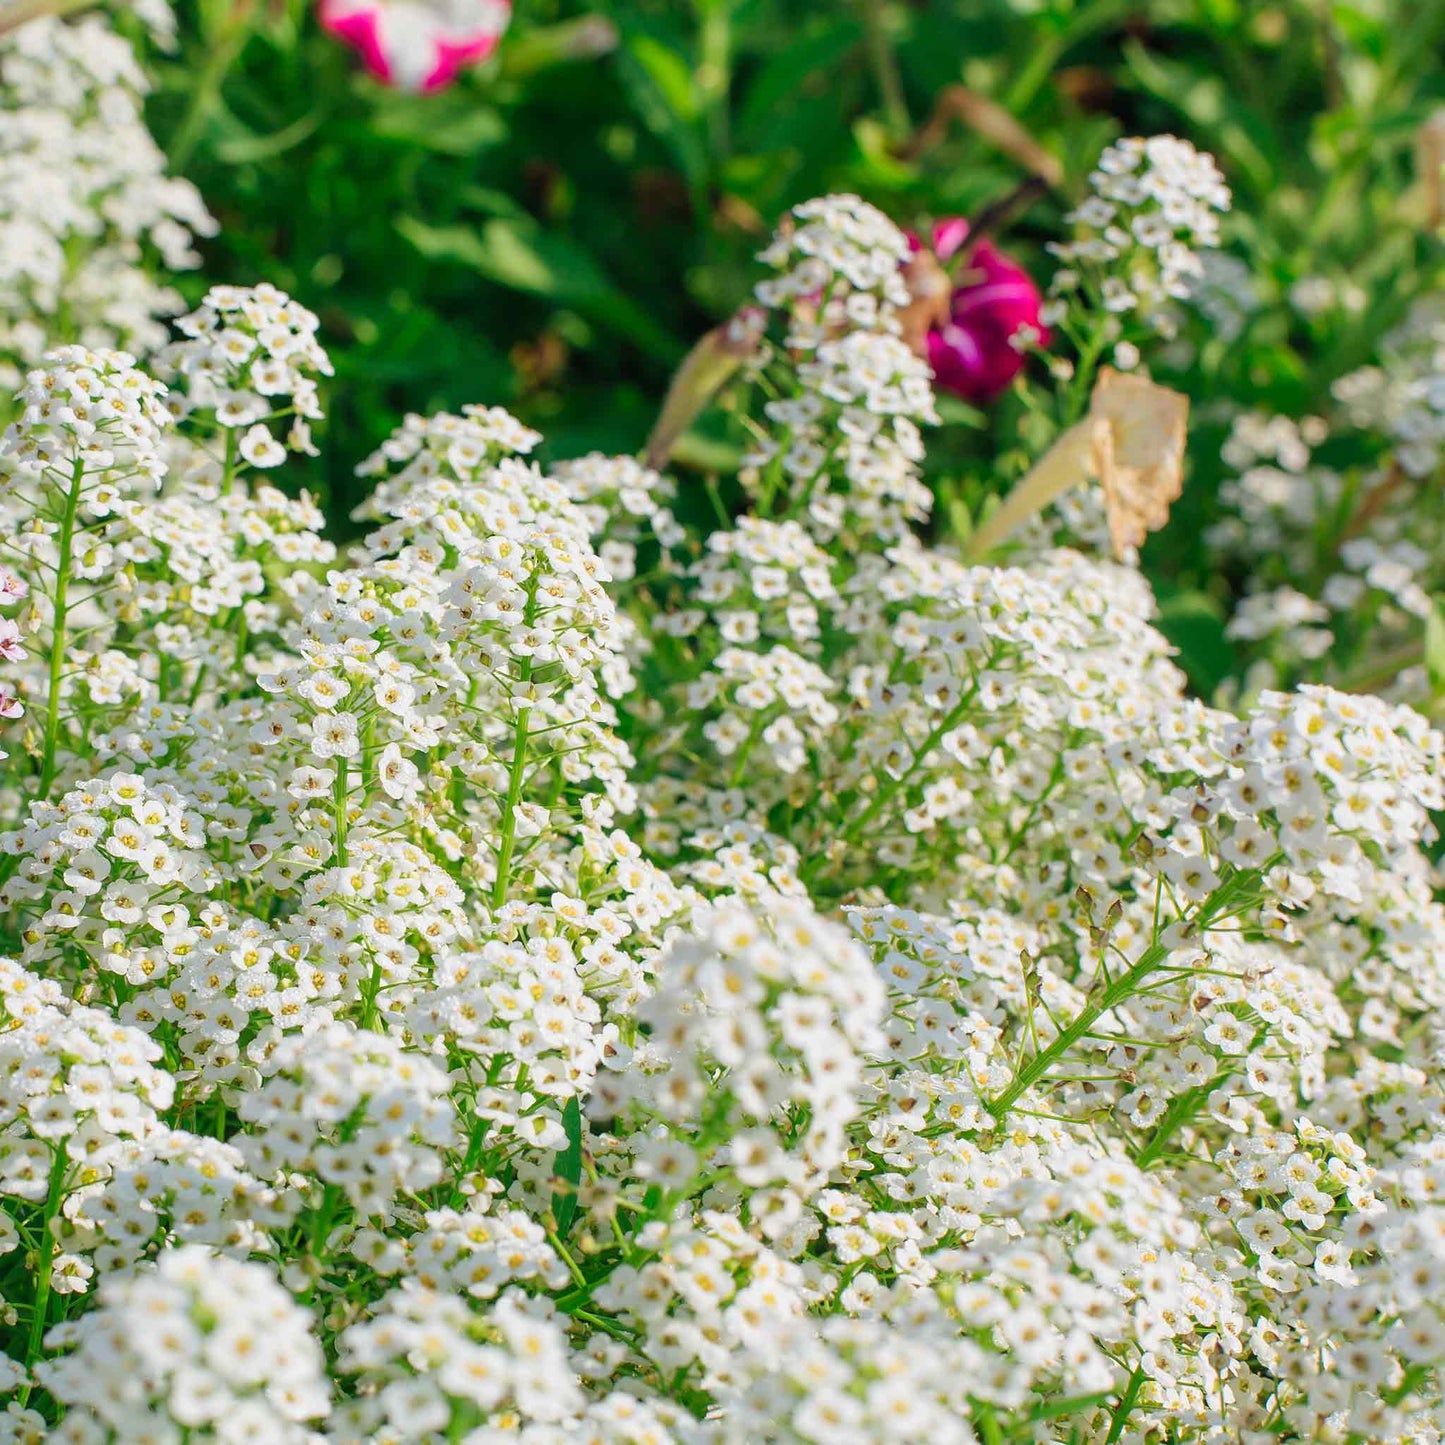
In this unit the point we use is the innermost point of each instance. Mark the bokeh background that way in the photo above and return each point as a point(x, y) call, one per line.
point(553, 231)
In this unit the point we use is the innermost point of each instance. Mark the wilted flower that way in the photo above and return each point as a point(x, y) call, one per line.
point(975, 333)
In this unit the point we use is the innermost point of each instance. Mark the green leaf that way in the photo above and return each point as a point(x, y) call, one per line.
point(244, 147)
point(793, 72)
point(569, 1167)
point(523, 256)
point(954, 411)
point(700, 453)
point(1070, 1405)
point(1435, 647)
point(1226, 124)
point(671, 78)
point(881, 167)
point(1194, 623)
point(664, 94)
point(456, 123)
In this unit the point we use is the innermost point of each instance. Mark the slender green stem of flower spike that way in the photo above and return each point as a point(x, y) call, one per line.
point(1041, 1065)
point(228, 469)
point(1120, 990)
point(44, 1262)
point(515, 780)
point(340, 805)
point(57, 631)
point(1120, 1418)
point(885, 70)
point(892, 787)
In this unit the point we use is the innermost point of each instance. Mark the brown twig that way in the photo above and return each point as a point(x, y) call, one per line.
point(999, 213)
point(1374, 501)
point(21, 12)
point(990, 120)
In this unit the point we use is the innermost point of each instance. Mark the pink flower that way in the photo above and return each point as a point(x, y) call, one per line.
point(973, 342)
point(11, 649)
point(418, 45)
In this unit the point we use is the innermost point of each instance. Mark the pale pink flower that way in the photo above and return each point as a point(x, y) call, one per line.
point(11, 649)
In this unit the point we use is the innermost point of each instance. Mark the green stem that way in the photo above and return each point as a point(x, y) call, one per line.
point(325, 1216)
point(1082, 384)
point(340, 799)
point(206, 92)
point(714, 72)
point(1120, 1417)
point(44, 1265)
point(890, 789)
point(228, 472)
point(57, 630)
point(1185, 1109)
point(885, 70)
point(1119, 991)
point(573, 1268)
point(514, 796)
point(1040, 1065)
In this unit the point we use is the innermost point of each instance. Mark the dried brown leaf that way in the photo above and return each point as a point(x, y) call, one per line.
point(1138, 453)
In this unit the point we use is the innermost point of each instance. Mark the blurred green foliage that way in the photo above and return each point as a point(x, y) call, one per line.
point(553, 232)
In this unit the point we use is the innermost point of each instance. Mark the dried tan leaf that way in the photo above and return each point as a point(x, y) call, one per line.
point(1138, 453)
point(705, 370)
point(929, 291)
point(1430, 167)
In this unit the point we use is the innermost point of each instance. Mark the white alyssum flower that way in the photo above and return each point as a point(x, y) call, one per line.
point(203, 1346)
point(1153, 211)
point(83, 196)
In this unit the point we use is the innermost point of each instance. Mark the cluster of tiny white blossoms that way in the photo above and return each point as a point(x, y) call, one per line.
point(12, 642)
point(204, 1345)
point(843, 438)
point(557, 970)
point(1403, 396)
point(1344, 555)
point(250, 355)
point(83, 196)
point(839, 262)
point(1153, 210)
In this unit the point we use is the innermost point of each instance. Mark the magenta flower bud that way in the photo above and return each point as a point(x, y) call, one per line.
point(976, 351)
point(418, 45)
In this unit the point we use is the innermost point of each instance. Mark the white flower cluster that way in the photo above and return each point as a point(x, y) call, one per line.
point(83, 196)
point(1154, 208)
point(88, 415)
point(557, 972)
point(751, 1019)
point(352, 1110)
point(1361, 533)
point(628, 508)
point(1404, 395)
point(205, 1346)
point(12, 643)
point(840, 263)
point(250, 355)
point(843, 441)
